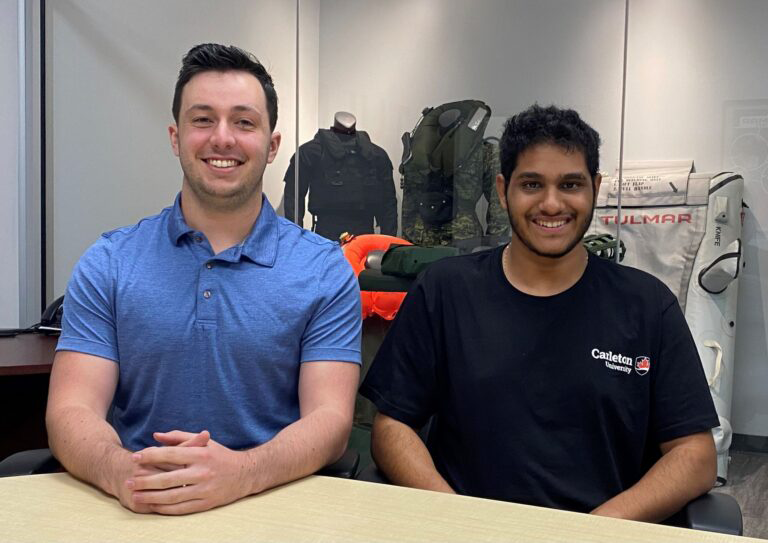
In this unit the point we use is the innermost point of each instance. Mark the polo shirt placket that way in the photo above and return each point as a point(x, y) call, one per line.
point(208, 294)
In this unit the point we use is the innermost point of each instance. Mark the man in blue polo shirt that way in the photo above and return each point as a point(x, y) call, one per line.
point(224, 338)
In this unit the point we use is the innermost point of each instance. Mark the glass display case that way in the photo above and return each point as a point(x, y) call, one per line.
point(390, 113)
point(430, 85)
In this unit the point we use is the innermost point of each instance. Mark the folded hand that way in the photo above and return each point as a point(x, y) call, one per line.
point(207, 475)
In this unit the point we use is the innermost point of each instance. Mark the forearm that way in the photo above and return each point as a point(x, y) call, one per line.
point(681, 475)
point(403, 457)
point(300, 449)
point(87, 446)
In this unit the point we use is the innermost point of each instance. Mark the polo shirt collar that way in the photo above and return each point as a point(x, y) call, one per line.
point(260, 246)
point(177, 226)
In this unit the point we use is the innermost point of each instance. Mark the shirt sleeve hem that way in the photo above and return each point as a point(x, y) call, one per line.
point(331, 354)
point(687, 428)
point(87, 346)
point(390, 410)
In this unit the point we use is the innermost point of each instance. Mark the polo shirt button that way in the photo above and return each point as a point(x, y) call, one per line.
point(206, 294)
point(198, 239)
point(208, 265)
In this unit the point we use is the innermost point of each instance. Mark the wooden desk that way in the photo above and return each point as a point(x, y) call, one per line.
point(59, 508)
point(25, 364)
point(27, 354)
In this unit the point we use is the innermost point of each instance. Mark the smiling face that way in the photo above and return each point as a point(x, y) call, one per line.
point(223, 139)
point(550, 200)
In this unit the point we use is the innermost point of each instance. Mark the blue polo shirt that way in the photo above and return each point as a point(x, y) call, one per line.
point(208, 341)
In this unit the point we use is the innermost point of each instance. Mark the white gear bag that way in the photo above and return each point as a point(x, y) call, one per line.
point(685, 228)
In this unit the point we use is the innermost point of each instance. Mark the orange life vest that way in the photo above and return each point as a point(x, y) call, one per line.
point(356, 249)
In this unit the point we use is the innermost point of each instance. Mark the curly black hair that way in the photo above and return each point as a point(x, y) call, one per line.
point(208, 57)
point(536, 125)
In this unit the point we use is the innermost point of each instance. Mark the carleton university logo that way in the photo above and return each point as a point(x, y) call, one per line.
point(642, 365)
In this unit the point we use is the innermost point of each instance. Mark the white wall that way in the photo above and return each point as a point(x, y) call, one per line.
point(386, 61)
point(691, 64)
point(9, 158)
point(112, 68)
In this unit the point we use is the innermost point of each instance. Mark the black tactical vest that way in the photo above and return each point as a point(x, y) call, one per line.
point(348, 181)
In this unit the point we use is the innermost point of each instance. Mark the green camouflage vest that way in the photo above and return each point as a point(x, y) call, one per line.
point(446, 168)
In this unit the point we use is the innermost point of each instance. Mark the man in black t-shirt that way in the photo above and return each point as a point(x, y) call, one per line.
point(551, 377)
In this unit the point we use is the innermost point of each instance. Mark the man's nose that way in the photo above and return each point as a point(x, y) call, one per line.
point(551, 202)
point(223, 136)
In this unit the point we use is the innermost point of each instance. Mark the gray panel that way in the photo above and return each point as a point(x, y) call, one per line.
point(9, 157)
point(112, 69)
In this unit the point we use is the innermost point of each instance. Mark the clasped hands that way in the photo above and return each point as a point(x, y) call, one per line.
point(190, 472)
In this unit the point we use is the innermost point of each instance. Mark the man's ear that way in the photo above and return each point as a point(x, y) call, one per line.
point(274, 145)
point(596, 184)
point(173, 132)
point(501, 190)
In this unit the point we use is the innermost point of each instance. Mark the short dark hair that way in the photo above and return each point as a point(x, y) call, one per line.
point(212, 57)
point(536, 125)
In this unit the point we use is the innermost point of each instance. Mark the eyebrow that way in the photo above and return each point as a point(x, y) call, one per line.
point(239, 108)
point(536, 175)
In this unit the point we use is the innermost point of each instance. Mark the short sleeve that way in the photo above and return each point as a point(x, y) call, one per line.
point(88, 322)
point(681, 403)
point(403, 379)
point(333, 331)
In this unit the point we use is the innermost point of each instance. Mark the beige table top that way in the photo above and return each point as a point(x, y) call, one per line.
point(57, 507)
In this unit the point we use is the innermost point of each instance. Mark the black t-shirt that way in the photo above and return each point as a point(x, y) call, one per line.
point(558, 401)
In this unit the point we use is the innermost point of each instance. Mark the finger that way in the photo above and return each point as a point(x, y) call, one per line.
point(151, 469)
point(174, 437)
point(137, 507)
point(183, 508)
point(183, 439)
point(168, 455)
point(198, 440)
point(148, 469)
point(167, 467)
point(144, 470)
point(164, 497)
point(164, 480)
point(140, 470)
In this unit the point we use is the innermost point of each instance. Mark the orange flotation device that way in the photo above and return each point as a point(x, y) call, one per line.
point(356, 248)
